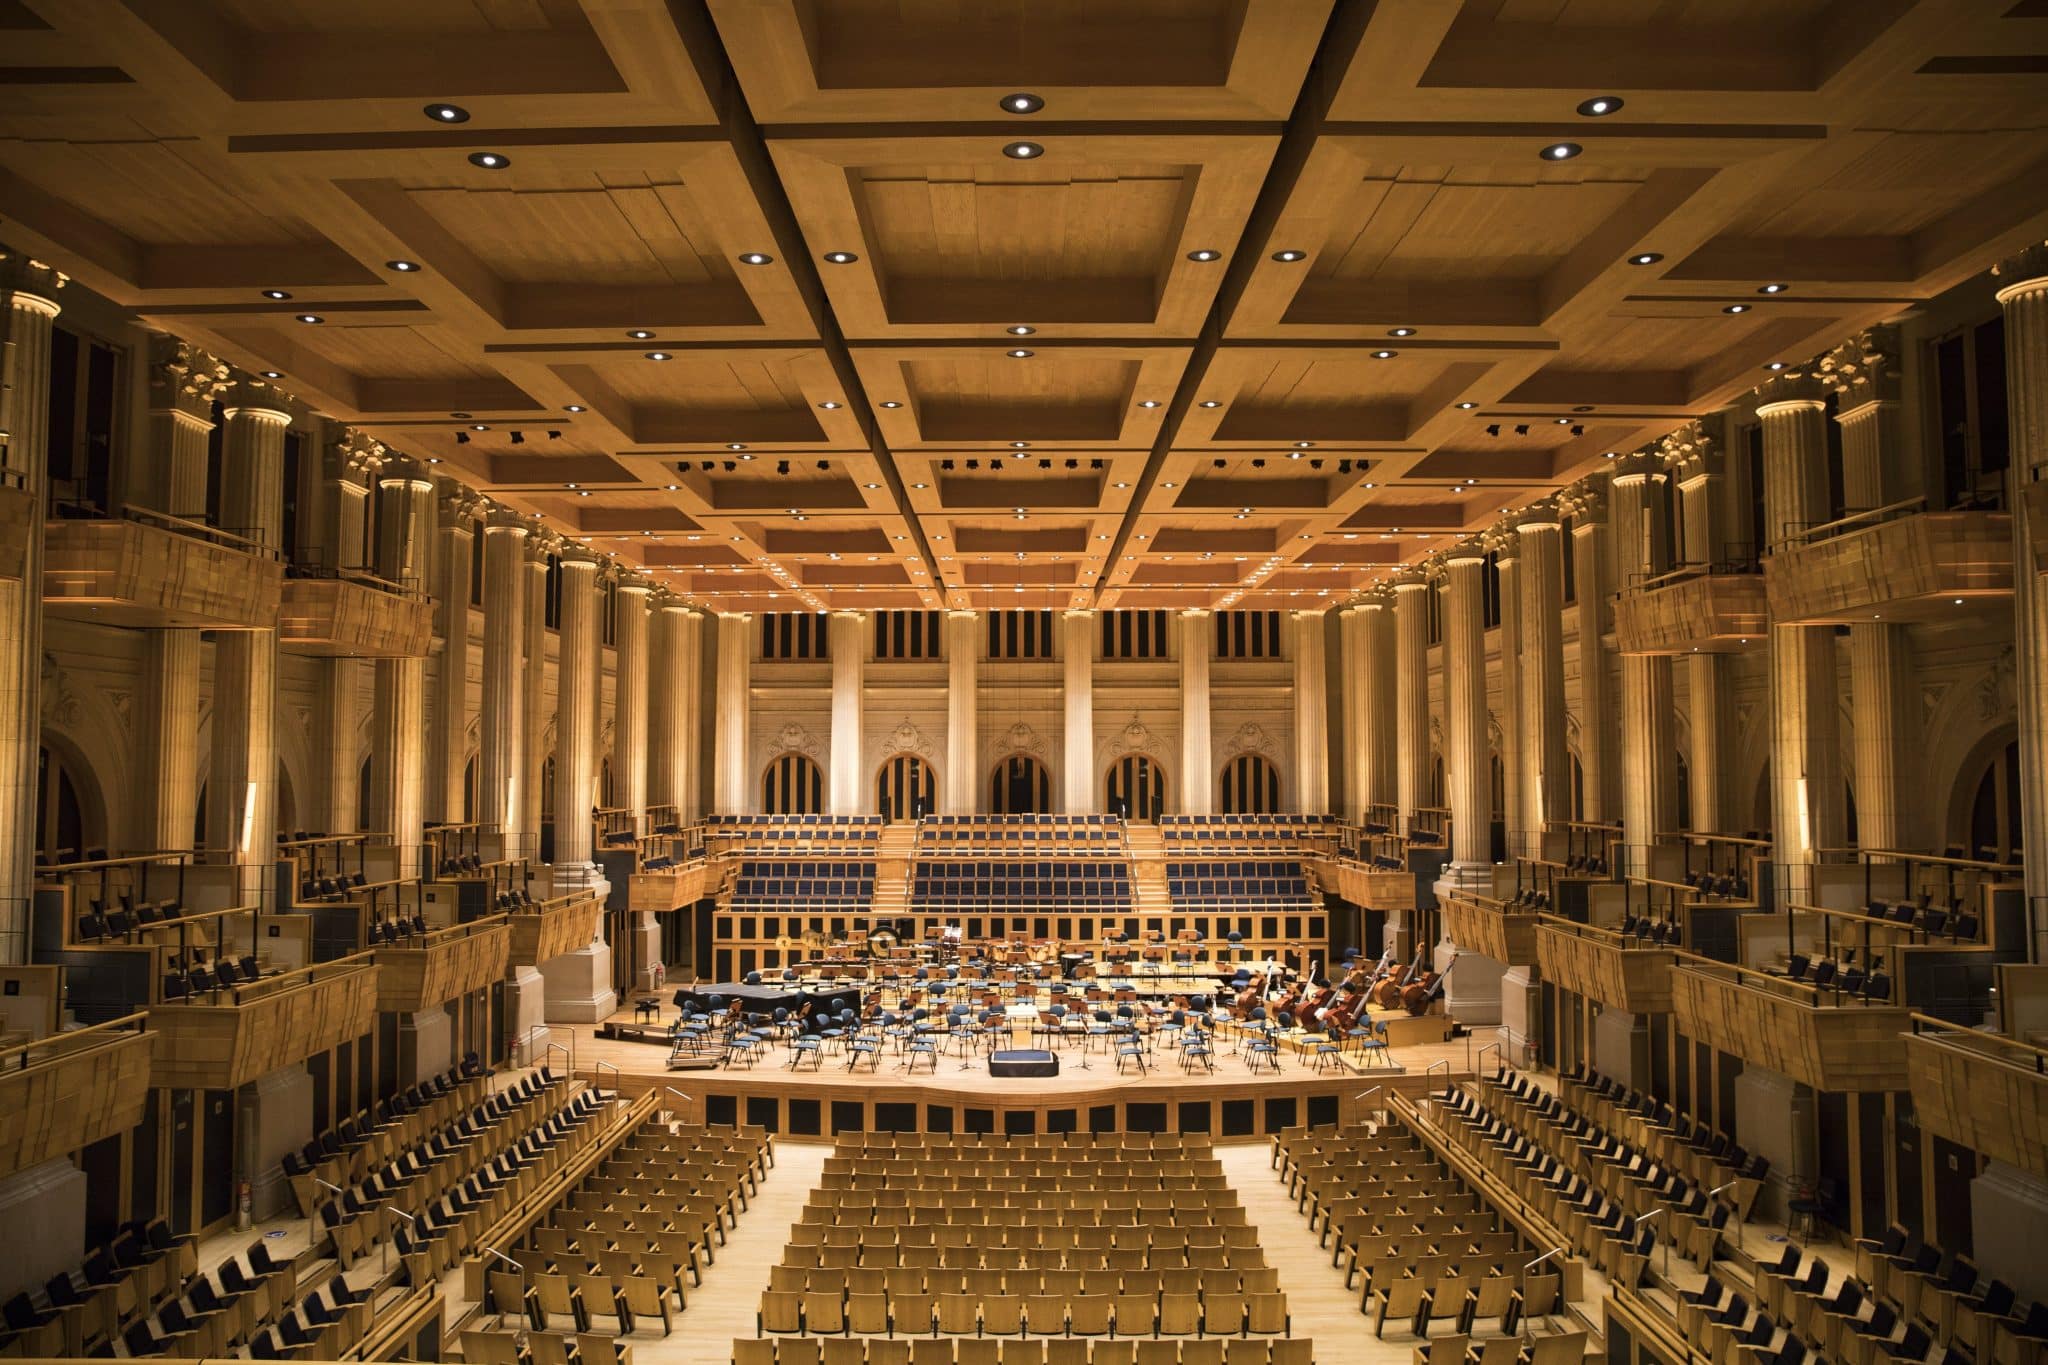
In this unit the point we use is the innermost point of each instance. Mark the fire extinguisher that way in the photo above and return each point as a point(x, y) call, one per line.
point(242, 1202)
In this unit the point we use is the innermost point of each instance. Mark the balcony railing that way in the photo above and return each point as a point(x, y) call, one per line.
point(443, 965)
point(1694, 608)
point(147, 568)
point(1982, 1090)
point(67, 1091)
point(558, 926)
point(1894, 563)
point(1491, 928)
point(225, 1038)
point(1615, 969)
point(1791, 1028)
point(338, 611)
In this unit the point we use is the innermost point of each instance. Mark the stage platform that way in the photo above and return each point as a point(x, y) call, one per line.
point(1231, 1103)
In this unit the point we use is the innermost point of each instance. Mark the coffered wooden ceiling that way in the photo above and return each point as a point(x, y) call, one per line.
point(1304, 297)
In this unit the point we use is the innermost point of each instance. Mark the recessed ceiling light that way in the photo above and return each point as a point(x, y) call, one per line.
point(1149, 403)
point(1467, 405)
point(1384, 355)
point(490, 161)
point(568, 485)
point(1772, 288)
point(1023, 151)
point(1600, 105)
point(735, 445)
point(1736, 308)
point(277, 294)
point(1020, 330)
point(1020, 445)
point(829, 404)
point(1166, 485)
point(755, 258)
point(1400, 331)
point(1019, 354)
point(1775, 365)
point(1561, 151)
point(920, 485)
point(1303, 445)
point(314, 318)
point(871, 485)
point(640, 334)
point(273, 374)
point(1210, 403)
point(573, 407)
point(1205, 254)
point(402, 267)
point(659, 355)
point(841, 257)
point(672, 487)
point(1022, 103)
point(1290, 256)
point(479, 426)
point(460, 416)
point(433, 459)
point(447, 113)
point(1646, 258)
point(892, 403)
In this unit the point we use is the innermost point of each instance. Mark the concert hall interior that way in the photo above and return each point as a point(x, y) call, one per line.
point(975, 682)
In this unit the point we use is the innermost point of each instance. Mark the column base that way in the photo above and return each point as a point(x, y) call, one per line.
point(1467, 879)
point(579, 986)
point(1521, 1013)
point(2009, 1248)
point(1774, 1115)
point(526, 1012)
point(1472, 991)
point(426, 1046)
point(278, 1119)
point(49, 1198)
point(1621, 1047)
point(570, 877)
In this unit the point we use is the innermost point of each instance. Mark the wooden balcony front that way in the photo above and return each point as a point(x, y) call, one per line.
point(146, 569)
point(69, 1090)
point(1602, 965)
point(559, 926)
point(448, 963)
point(1987, 1092)
point(227, 1038)
point(675, 887)
point(354, 617)
point(1894, 564)
point(18, 512)
point(1486, 928)
point(1376, 888)
point(1791, 1029)
point(1691, 611)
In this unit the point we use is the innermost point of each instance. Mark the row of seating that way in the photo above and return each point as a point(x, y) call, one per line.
point(1210, 1313)
point(349, 1149)
point(98, 924)
point(904, 1280)
point(1019, 1351)
point(998, 1258)
point(1842, 977)
point(483, 1347)
point(1944, 1293)
point(968, 835)
point(795, 834)
point(192, 975)
point(335, 887)
point(1927, 919)
point(141, 1267)
point(1710, 1157)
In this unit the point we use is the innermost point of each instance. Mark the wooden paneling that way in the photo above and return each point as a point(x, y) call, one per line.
point(339, 617)
point(1491, 932)
point(126, 573)
point(1913, 567)
point(1989, 1096)
point(1373, 888)
point(1843, 1048)
point(70, 1091)
point(676, 888)
point(546, 934)
point(453, 963)
point(1596, 966)
point(1710, 612)
point(220, 1046)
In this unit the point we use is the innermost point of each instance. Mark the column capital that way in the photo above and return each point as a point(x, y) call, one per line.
point(246, 395)
point(1796, 387)
point(854, 612)
point(635, 583)
point(1690, 452)
point(354, 455)
point(960, 613)
point(666, 599)
point(735, 616)
point(1864, 369)
point(1585, 502)
point(1192, 611)
point(1302, 613)
point(580, 556)
point(1465, 552)
point(1545, 514)
point(541, 542)
point(2022, 272)
point(1500, 540)
point(1082, 613)
point(505, 519)
point(183, 379)
point(1410, 578)
point(1634, 466)
point(460, 505)
point(404, 470)
point(24, 276)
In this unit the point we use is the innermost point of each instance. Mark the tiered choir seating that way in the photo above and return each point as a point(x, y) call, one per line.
point(946, 885)
point(1269, 886)
point(968, 836)
point(828, 884)
point(1066, 1236)
point(815, 836)
point(1422, 1244)
point(1253, 834)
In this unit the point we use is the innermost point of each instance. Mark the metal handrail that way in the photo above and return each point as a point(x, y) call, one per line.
point(1861, 518)
point(1995, 1047)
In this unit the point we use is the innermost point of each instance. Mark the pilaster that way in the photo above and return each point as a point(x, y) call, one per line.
point(733, 779)
point(1353, 669)
point(1586, 503)
point(576, 702)
point(1649, 786)
point(1411, 699)
point(501, 765)
point(1546, 775)
point(1311, 714)
point(1379, 681)
point(963, 658)
point(398, 752)
point(1467, 764)
point(674, 706)
point(848, 640)
point(629, 700)
point(448, 739)
point(1077, 766)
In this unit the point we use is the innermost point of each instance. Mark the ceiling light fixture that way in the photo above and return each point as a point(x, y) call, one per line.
point(1400, 331)
point(1210, 403)
point(402, 267)
point(1149, 403)
point(273, 374)
point(892, 403)
point(447, 113)
point(574, 407)
point(1020, 330)
point(1772, 288)
point(659, 355)
point(1023, 151)
point(313, 318)
point(1384, 355)
point(841, 257)
point(1019, 354)
point(1022, 102)
point(1205, 254)
point(1646, 258)
point(276, 294)
point(1775, 366)
point(829, 404)
point(1467, 405)
point(1290, 256)
point(755, 258)
point(640, 334)
point(1599, 106)
point(490, 161)
point(1561, 151)
point(1736, 308)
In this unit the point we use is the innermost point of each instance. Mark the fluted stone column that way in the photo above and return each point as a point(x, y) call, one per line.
point(501, 765)
point(576, 701)
point(1586, 503)
point(1546, 774)
point(1379, 683)
point(1692, 459)
point(675, 686)
point(1649, 750)
point(629, 700)
point(1197, 761)
point(1353, 670)
point(448, 738)
point(539, 546)
point(1077, 767)
point(332, 534)
point(337, 806)
point(963, 656)
point(242, 788)
point(398, 709)
point(1411, 703)
point(1468, 760)
point(849, 649)
point(2023, 290)
point(1806, 759)
point(733, 781)
point(1891, 807)
point(1513, 725)
point(1311, 714)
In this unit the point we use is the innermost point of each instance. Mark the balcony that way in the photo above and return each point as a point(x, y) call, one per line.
point(69, 1090)
point(351, 614)
point(1987, 1092)
point(1698, 608)
point(557, 927)
point(672, 888)
point(447, 964)
point(1605, 966)
point(1900, 563)
point(144, 568)
point(1486, 927)
point(227, 1038)
point(1771, 1022)
point(1376, 888)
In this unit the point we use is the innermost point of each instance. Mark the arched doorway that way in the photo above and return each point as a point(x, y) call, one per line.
point(1250, 785)
point(906, 788)
point(1019, 786)
point(1993, 830)
point(1136, 788)
point(68, 825)
point(792, 785)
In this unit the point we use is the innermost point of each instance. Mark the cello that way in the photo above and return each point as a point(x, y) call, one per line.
point(1386, 992)
point(1418, 995)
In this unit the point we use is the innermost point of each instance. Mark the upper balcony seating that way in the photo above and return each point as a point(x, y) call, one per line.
point(1842, 979)
point(457, 864)
point(1262, 885)
point(970, 836)
point(1651, 932)
point(1724, 885)
point(787, 835)
point(951, 886)
point(324, 888)
point(1923, 917)
point(787, 885)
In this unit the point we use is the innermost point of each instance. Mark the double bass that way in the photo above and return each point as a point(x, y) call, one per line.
point(1358, 984)
point(1386, 992)
point(1417, 995)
